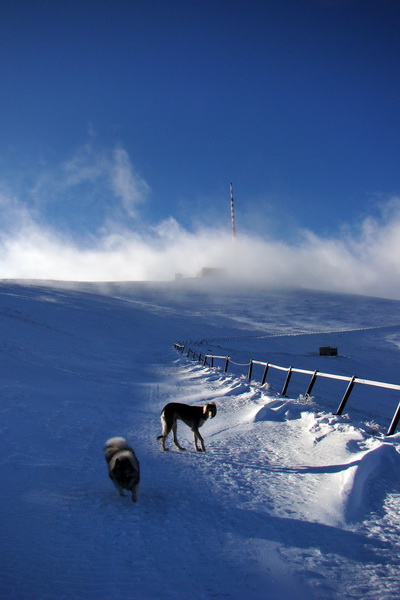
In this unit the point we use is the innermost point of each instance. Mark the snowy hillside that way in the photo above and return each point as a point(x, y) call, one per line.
point(289, 501)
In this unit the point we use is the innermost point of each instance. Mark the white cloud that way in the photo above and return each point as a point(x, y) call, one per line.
point(106, 176)
point(365, 259)
point(85, 166)
point(368, 263)
point(127, 184)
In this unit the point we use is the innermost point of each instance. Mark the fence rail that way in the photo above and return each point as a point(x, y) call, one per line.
point(352, 381)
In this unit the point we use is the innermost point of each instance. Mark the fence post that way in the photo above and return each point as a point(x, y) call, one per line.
point(311, 384)
point(264, 377)
point(226, 364)
point(346, 396)
point(395, 421)
point(250, 370)
point(285, 387)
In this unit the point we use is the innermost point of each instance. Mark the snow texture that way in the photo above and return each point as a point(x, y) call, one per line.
point(289, 501)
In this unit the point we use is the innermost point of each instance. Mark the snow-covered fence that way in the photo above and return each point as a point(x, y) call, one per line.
point(352, 381)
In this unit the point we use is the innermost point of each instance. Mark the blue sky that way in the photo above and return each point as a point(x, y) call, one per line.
point(136, 114)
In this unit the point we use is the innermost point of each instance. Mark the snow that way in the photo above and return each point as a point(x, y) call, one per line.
point(290, 500)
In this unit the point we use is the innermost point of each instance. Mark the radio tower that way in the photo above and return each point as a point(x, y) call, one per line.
point(232, 213)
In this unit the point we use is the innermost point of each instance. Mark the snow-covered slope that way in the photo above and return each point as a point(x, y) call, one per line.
point(288, 501)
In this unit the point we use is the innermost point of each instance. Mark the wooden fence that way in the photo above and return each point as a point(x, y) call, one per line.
point(352, 381)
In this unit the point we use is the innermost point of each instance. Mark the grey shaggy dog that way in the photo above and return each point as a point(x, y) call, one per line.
point(123, 466)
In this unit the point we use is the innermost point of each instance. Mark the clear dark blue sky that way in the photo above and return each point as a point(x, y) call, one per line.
point(294, 101)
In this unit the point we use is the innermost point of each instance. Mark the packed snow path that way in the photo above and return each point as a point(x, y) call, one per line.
point(288, 501)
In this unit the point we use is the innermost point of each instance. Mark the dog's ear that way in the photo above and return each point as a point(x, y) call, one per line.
point(212, 409)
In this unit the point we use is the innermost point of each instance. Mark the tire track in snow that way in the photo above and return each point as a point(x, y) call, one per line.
point(205, 341)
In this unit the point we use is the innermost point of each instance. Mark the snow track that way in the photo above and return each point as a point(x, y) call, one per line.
point(301, 483)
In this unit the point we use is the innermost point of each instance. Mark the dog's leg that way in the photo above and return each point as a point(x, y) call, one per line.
point(135, 491)
point(197, 437)
point(174, 429)
point(166, 428)
point(119, 488)
point(162, 438)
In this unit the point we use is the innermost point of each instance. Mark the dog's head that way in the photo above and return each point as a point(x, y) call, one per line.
point(210, 410)
point(114, 445)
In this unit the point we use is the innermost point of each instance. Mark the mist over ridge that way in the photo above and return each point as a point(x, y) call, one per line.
point(88, 220)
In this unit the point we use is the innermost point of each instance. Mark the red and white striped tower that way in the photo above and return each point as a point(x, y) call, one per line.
point(233, 213)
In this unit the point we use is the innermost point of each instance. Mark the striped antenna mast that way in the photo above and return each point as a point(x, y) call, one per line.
point(232, 212)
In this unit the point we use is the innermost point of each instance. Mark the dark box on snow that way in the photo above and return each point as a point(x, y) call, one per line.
point(327, 351)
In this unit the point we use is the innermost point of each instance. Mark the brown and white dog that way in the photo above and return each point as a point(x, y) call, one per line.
point(123, 466)
point(193, 416)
